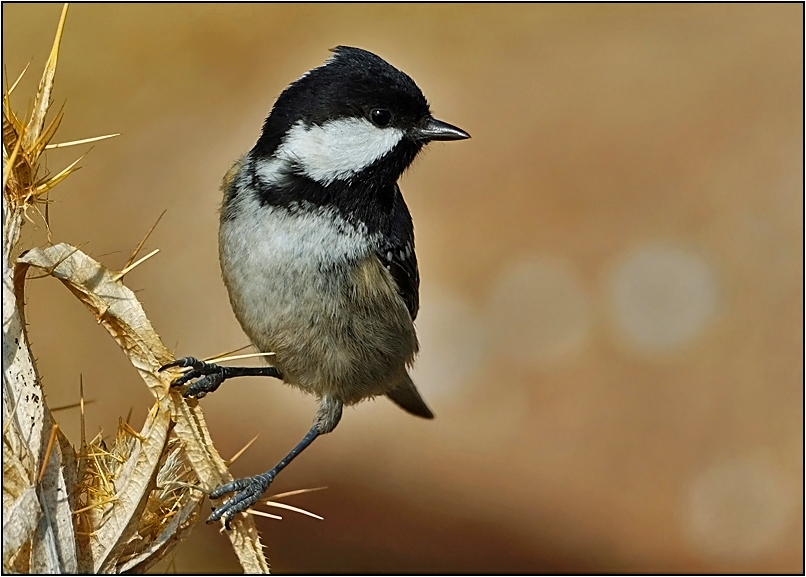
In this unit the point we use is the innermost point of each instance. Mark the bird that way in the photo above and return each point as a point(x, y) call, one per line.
point(316, 247)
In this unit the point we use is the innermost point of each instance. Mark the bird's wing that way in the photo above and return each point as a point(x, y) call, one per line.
point(401, 261)
point(396, 252)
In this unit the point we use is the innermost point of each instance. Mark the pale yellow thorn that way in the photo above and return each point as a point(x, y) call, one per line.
point(83, 422)
point(235, 457)
point(53, 181)
point(145, 238)
point(228, 352)
point(297, 492)
point(48, 451)
point(128, 428)
point(237, 357)
point(292, 508)
point(263, 514)
point(17, 81)
point(135, 264)
point(82, 141)
point(10, 420)
point(92, 506)
point(10, 162)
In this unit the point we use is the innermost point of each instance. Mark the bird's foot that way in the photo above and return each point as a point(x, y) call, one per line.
point(247, 492)
point(209, 375)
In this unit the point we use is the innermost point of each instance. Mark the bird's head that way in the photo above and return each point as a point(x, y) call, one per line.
point(354, 115)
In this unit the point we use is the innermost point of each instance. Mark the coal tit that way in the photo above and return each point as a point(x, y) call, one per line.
point(316, 246)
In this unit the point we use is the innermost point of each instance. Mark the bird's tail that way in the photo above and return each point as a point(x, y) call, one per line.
point(407, 397)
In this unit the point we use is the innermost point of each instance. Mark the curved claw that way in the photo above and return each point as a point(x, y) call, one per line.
point(247, 492)
point(184, 362)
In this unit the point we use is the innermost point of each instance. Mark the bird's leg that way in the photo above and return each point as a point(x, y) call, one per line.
point(248, 491)
point(213, 375)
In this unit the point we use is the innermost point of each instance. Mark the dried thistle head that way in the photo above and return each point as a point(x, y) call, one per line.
point(24, 143)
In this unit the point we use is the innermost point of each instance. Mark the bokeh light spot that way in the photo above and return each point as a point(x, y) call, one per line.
point(735, 508)
point(661, 297)
point(452, 343)
point(538, 312)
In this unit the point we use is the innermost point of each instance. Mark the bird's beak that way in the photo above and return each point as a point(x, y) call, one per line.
point(433, 129)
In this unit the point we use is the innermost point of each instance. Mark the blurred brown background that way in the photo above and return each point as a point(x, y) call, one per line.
point(612, 299)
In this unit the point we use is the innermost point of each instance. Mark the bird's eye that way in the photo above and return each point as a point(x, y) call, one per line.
point(380, 117)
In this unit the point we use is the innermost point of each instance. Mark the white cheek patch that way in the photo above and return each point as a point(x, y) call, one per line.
point(336, 150)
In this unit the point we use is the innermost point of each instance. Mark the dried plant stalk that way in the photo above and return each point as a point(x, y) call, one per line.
point(117, 309)
point(97, 509)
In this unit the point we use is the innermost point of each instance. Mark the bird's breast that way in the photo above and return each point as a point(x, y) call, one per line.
point(305, 284)
point(279, 260)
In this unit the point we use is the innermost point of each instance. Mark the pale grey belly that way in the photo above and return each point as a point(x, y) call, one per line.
point(336, 330)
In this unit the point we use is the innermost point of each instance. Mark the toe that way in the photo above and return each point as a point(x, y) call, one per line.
point(235, 485)
point(240, 502)
point(205, 385)
point(248, 490)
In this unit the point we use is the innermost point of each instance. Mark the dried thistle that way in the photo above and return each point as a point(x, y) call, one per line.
point(99, 508)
